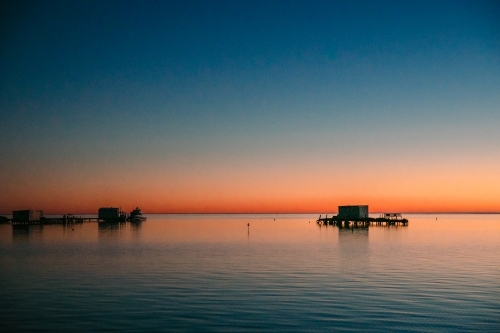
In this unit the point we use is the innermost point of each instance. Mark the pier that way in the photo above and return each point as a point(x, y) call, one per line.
point(35, 217)
point(362, 221)
point(56, 220)
point(358, 216)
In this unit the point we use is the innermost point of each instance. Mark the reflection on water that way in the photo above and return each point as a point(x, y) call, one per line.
point(111, 230)
point(136, 225)
point(353, 251)
point(252, 273)
point(117, 231)
point(57, 233)
point(22, 233)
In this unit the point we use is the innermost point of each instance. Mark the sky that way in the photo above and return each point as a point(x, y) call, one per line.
point(249, 106)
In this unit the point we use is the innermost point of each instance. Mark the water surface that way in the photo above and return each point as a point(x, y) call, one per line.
point(283, 273)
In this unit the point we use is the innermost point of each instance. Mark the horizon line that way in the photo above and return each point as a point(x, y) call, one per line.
point(282, 213)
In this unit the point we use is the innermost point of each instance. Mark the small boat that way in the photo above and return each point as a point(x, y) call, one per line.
point(136, 215)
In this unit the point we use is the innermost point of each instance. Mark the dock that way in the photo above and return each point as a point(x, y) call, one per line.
point(357, 215)
point(66, 220)
point(56, 220)
point(35, 217)
point(361, 221)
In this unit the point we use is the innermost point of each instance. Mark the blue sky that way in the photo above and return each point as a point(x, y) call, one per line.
point(100, 91)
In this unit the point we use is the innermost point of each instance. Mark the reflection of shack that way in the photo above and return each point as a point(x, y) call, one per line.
point(110, 214)
point(26, 231)
point(353, 252)
point(109, 229)
point(350, 234)
point(28, 215)
point(353, 212)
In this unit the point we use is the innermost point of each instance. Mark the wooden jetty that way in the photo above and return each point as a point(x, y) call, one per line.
point(357, 215)
point(56, 220)
point(361, 221)
point(35, 217)
point(66, 220)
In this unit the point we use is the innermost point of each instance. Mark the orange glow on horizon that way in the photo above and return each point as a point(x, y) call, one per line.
point(90, 205)
point(219, 187)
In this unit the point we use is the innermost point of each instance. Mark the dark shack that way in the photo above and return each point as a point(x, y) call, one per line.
point(353, 212)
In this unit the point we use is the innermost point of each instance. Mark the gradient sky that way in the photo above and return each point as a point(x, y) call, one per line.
point(249, 106)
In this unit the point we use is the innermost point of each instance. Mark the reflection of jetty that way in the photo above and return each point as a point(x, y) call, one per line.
point(358, 216)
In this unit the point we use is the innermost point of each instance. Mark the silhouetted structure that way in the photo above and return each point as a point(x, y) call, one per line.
point(110, 214)
point(393, 216)
point(27, 215)
point(353, 212)
point(358, 215)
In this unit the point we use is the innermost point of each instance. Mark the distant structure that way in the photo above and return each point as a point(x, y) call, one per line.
point(358, 216)
point(26, 215)
point(109, 214)
point(392, 216)
point(353, 212)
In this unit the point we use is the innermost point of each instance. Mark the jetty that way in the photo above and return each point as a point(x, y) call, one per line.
point(35, 217)
point(358, 216)
point(64, 220)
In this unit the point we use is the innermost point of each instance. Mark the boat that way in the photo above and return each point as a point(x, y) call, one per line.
point(136, 215)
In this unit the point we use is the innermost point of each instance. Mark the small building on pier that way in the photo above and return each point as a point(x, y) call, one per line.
point(353, 212)
point(110, 214)
point(27, 215)
point(358, 216)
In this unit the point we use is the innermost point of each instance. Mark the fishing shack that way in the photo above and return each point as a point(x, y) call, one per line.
point(27, 215)
point(353, 212)
point(110, 214)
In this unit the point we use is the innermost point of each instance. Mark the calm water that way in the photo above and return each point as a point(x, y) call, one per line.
point(185, 273)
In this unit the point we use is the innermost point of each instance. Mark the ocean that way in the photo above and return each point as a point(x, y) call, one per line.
point(252, 273)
